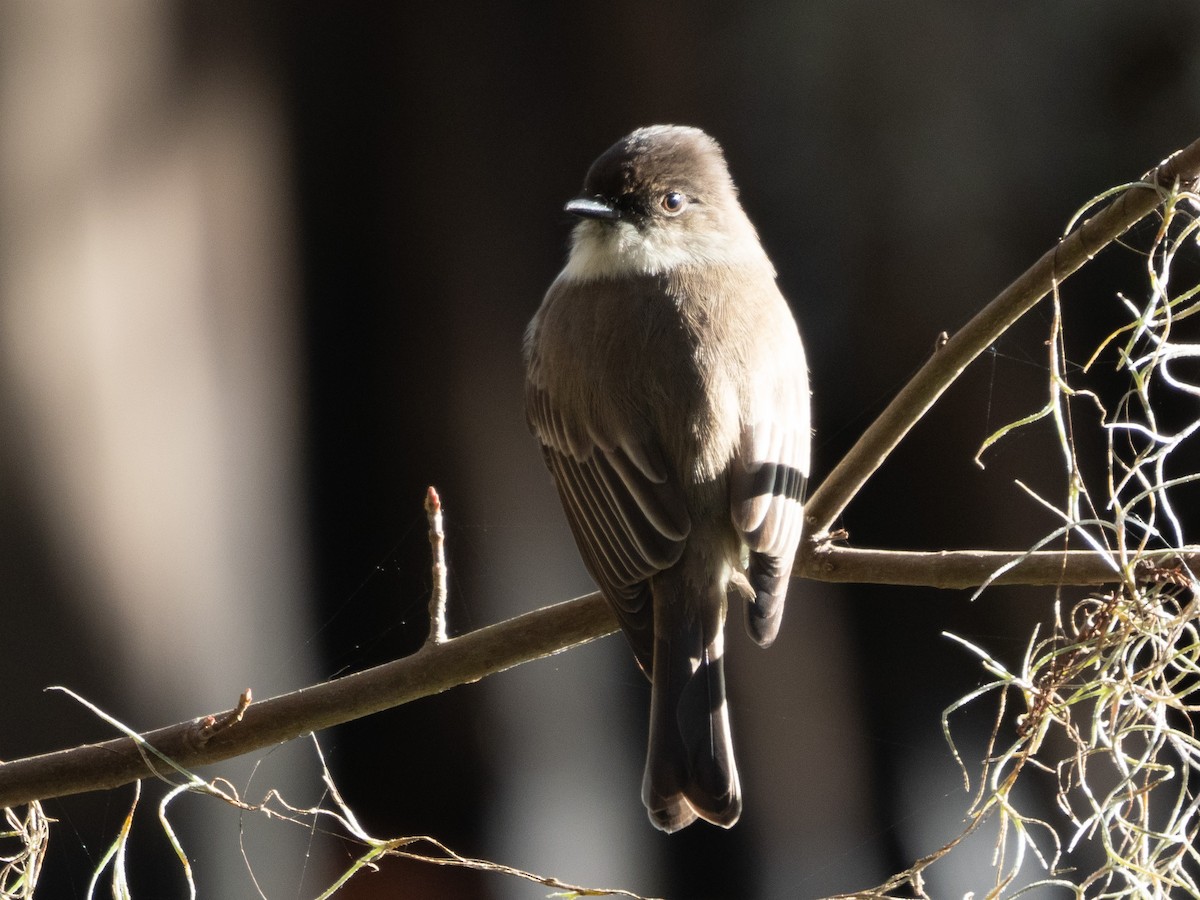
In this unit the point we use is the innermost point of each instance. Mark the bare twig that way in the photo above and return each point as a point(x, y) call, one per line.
point(442, 855)
point(959, 569)
point(437, 544)
point(211, 725)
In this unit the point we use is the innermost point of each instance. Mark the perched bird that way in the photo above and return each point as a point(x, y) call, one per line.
point(667, 385)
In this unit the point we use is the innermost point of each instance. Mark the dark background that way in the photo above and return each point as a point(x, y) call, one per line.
point(265, 274)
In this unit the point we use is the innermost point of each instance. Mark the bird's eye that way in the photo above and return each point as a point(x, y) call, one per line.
point(673, 203)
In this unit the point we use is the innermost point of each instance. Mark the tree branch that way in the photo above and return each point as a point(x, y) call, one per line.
point(436, 667)
point(952, 357)
point(959, 569)
point(432, 669)
point(462, 660)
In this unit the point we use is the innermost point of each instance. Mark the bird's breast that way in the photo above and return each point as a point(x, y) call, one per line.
point(638, 357)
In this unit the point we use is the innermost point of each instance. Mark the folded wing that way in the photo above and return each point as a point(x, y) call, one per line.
point(625, 508)
point(767, 482)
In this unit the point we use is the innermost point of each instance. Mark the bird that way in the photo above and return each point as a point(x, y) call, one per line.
point(667, 385)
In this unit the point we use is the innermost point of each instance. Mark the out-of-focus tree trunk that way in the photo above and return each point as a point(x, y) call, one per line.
point(149, 401)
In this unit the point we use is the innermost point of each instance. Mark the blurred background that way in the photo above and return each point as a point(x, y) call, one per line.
point(264, 274)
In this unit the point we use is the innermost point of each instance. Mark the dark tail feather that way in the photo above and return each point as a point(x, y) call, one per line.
point(690, 770)
point(769, 579)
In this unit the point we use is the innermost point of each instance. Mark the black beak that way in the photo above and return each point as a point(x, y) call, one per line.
point(592, 208)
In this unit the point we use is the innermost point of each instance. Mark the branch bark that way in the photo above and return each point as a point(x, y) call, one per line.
point(960, 569)
point(466, 659)
point(950, 359)
point(437, 667)
point(434, 668)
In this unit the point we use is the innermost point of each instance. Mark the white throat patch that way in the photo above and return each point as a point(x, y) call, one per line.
point(610, 249)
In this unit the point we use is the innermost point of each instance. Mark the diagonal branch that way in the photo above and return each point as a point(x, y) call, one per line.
point(466, 659)
point(434, 668)
point(951, 358)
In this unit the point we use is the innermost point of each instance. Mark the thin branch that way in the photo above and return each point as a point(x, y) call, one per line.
point(437, 544)
point(960, 569)
point(952, 357)
point(462, 660)
point(466, 659)
point(432, 669)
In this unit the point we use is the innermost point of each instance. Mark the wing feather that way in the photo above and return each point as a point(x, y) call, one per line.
point(767, 482)
point(627, 512)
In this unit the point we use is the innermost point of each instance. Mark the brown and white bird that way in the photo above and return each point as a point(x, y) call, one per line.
point(667, 385)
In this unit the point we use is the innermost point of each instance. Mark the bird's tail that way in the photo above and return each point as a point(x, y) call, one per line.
point(690, 770)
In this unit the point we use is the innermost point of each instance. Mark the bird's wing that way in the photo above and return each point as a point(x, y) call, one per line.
point(625, 508)
point(768, 478)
